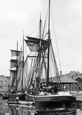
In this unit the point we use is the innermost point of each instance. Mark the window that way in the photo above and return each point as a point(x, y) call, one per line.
point(5, 82)
point(1, 81)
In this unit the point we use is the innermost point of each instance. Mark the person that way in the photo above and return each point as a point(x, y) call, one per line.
point(17, 99)
point(55, 89)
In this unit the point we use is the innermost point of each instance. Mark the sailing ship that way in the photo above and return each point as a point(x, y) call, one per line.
point(43, 92)
point(17, 87)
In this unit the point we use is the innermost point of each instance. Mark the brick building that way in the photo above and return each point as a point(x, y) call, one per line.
point(79, 79)
point(4, 84)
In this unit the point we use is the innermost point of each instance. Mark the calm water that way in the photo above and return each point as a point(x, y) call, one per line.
point(14, 109)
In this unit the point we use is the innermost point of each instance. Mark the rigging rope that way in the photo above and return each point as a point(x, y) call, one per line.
point(33, 30)
point(56, 42)
point(44, 27)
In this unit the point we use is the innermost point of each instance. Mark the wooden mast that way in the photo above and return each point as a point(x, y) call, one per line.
point(16, 65)
point(22, 65)
point(39, 53)
point(40, 26)
point(48, 44)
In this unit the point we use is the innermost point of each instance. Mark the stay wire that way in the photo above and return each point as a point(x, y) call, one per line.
point(33, 30)
point(56, 42)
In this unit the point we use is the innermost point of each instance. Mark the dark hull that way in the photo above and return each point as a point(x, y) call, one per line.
point(53, 101)
point(5, 97)
point(20, 96)
point(56, 102)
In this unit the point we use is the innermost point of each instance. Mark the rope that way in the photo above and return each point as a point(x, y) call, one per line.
point(33, 30)
point(56, 41)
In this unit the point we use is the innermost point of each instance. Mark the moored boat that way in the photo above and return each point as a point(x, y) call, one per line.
point(43, 66)
point(53, 100)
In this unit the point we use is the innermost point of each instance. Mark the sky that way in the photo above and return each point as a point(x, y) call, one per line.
point(17, 16)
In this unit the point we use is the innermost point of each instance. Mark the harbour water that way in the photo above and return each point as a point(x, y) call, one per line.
point(20, 109)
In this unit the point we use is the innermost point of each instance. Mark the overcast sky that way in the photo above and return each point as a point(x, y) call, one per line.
point(19, 15)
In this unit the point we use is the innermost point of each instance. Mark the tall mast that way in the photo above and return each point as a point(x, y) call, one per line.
point(39, 52)
point(16, 65)
point(22, 64)
point(48, 44)
point(40, 26)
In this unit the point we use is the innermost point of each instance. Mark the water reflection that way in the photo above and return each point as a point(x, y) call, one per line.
point(20, 110)
point(15, 109)
point(25, 110)
point(3, 108)
point(58, 112)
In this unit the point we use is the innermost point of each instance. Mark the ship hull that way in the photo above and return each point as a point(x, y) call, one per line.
point(52, 101)
point(19, 96)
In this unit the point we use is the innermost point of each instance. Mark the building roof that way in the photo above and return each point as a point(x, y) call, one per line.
point(4, 76)
point(62, 79)
point(67, 79)
point(79, 76)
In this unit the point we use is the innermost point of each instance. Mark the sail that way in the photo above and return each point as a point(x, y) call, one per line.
point(25, 74)
point(42, 63)
point(13, 63)
point(19, 78)
point(22, 73)
point(15, 54)
point(31, 70)
point(19, 70)
point(53, 72)
point(33, 43)
point(38, 64)
point(13, 74)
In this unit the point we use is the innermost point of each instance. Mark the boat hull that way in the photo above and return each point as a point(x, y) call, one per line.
point(52, 101)
point(63, 101)
point(19, 96)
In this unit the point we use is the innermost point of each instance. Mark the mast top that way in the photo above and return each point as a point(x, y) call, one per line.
point(47, 82)
point(49, 19)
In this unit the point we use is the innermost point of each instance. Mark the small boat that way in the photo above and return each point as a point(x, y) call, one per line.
point(29, 103)
point(13, 103)
point(43, 65)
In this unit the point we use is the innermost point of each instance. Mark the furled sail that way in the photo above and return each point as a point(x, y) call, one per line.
point(42, 63)
point(19, 70)
point(25, 74)
point(33, 44)
point(22, 73)
point(15, 53)
point(38, 65)
point(13, 74)
point(13, 69)
point(13, 63)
